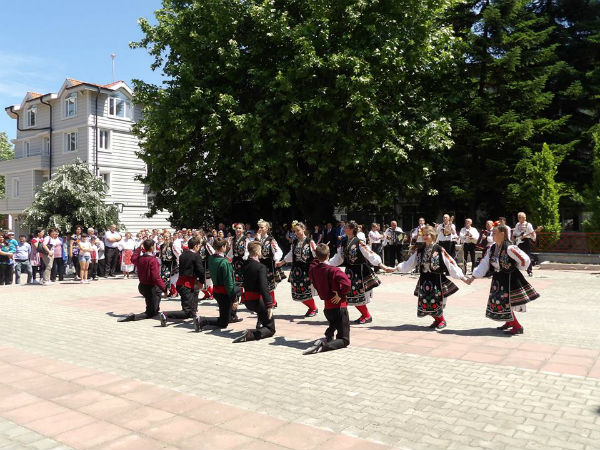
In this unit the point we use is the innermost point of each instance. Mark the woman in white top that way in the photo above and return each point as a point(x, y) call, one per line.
point(127, 246)
point(375, 238)
point(509, 291)
point(85, 257)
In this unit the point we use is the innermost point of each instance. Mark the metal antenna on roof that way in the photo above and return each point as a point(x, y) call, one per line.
point(113, 56)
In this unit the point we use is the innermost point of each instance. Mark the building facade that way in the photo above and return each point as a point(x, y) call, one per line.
point(82, 120)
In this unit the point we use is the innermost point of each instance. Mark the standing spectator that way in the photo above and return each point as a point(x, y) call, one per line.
point(469, 237)
point(502, 221)
point(330, 238)
point(58, 263)
point(341, 233)
point(74, 249)
point(447, 236)
point(48, 253)
point(375, 238)
point(317, 235)
point(111, 244)
point(7, 251)
point(486, 238)
point(101, 257)
point(21, 258)
point(85, 257)
point(392, 243)
point(127, 246)
point(37, 264)
point(93, 268)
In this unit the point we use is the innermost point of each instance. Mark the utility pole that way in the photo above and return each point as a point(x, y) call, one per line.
point(113, 56)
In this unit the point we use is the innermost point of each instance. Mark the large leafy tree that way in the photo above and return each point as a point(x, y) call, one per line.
point(301, 103)
point(502, 105)
point(6, 152)
point(72, 196)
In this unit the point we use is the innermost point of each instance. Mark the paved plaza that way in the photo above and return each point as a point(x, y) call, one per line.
point(72, 377)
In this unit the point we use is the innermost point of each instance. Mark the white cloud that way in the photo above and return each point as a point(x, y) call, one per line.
point(20, 73)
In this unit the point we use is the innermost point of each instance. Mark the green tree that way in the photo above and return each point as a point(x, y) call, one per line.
point(300, 103)
point(501, 103)
point(72, 196)
point(6, 152)
point(592, 195)
point(537, 189)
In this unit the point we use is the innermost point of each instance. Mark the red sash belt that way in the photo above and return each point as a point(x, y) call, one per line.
point(247, 296)
point(187, 281)
point(219, 290)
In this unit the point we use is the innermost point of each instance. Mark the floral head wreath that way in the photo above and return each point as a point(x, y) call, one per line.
point(496, 223)
point(261, 221)
point(294, 223)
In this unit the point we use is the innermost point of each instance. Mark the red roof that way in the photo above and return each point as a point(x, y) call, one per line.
point(77, 83)
point(34, 94)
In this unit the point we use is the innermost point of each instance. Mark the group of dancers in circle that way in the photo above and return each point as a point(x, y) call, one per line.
point(245, 271)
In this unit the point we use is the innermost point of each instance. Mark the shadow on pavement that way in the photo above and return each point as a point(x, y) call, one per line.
point(476, 332)
point(405, 327)
point(282, 341)
point(300, 320)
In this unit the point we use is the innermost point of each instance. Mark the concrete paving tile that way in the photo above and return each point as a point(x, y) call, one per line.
point(299, 436)
point(34, 411)
point(341, 442)
point(179, 403)
point(140, 418)
point(59, 423)
point(177, 429)
point(17, 400)
point(565, 368)
point(78, 399)
point(135, 442)
point(109, 408)
point(253, 424)
point(214, 413)
point(92, 435)
point(216, 438)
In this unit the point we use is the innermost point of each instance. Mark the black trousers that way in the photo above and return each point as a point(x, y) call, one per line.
point(392, 253)
point(6, 274)
point(339, 323)
point(267, 326)
point(526, 247)
point(58, 268)
point(450, 247)
point(189, 304)
point(111, 254)
point(469, 251)
point(76, 265)
point(152, 296)
point(225, 302)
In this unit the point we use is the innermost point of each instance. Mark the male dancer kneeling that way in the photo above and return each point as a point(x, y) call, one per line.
point(256, 296)
point(151, 284)
point(191, 274)
point(332, 285)
point(221, 272)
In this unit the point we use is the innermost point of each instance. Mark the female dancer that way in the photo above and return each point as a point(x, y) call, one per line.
point(238, 253)
point(510, 291)
point(356, 256)
point(271, 254)
point(169, 270)
point(301, 255)
point(127, 246)
point(433, 287)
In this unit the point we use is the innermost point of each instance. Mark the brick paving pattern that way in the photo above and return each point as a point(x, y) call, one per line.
point(72, 377)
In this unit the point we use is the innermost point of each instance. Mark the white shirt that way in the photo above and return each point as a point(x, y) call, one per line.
point(472, 239)
point(361, 236)
point(524, 228)
point(512, 251)
point(111, 235)
point(453, 269)
point(126, 244)
point(375, 237)
point(450, 237)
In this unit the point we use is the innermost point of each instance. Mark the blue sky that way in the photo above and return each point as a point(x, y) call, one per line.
point(42, 42)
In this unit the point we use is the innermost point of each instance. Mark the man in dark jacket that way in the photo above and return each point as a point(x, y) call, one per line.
point(221, 272)
point(151, 284)
point(256, 296)
point(191, 276)
point(332, 284)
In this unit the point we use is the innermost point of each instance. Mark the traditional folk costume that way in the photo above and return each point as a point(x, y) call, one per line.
point(238, 254)
point(509, 291)
point(169, 267)
point(301, 255)
point(224, 292)
point(392, 245)
point(271, 254)
point(358, 258)
point(433, 287)
point(447, 237)
point(205, 251)
point(126, 246)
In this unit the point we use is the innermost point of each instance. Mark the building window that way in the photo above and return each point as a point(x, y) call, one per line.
point(104, 139)
point(46, 145)
point(71, 105)
point(15, 188)
point(31, 116)
point(71, 142)
point(119, 107)
point(26, 149)
point(106, 179)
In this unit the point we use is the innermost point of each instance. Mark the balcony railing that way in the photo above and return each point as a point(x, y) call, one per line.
point(567, 242)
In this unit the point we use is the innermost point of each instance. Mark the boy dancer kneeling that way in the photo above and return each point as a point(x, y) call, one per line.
point(332, 285)
point(256, 296)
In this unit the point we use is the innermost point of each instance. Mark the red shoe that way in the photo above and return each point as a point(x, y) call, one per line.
point(441, 325)
point(311, 313)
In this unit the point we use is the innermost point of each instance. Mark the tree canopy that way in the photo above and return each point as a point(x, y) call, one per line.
point(73, 196)
point(6, 152)
point(293, 102)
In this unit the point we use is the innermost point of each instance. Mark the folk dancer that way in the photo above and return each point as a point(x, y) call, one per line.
point(446, 236)
point(358, 258)
point(468, 238)
point(332, 285)
point(206, 250)
point(392, 244)
point(509, 291)
point(433, 287)
point(151, 285)
point(301, 255)
point(238, 253)
point(224, 289)
point(256, 296)
point(189, 282)
point(169, 268)
point(524, 235)
point(271, 254)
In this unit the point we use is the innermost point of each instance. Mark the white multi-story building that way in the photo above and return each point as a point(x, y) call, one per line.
point(82, 120)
